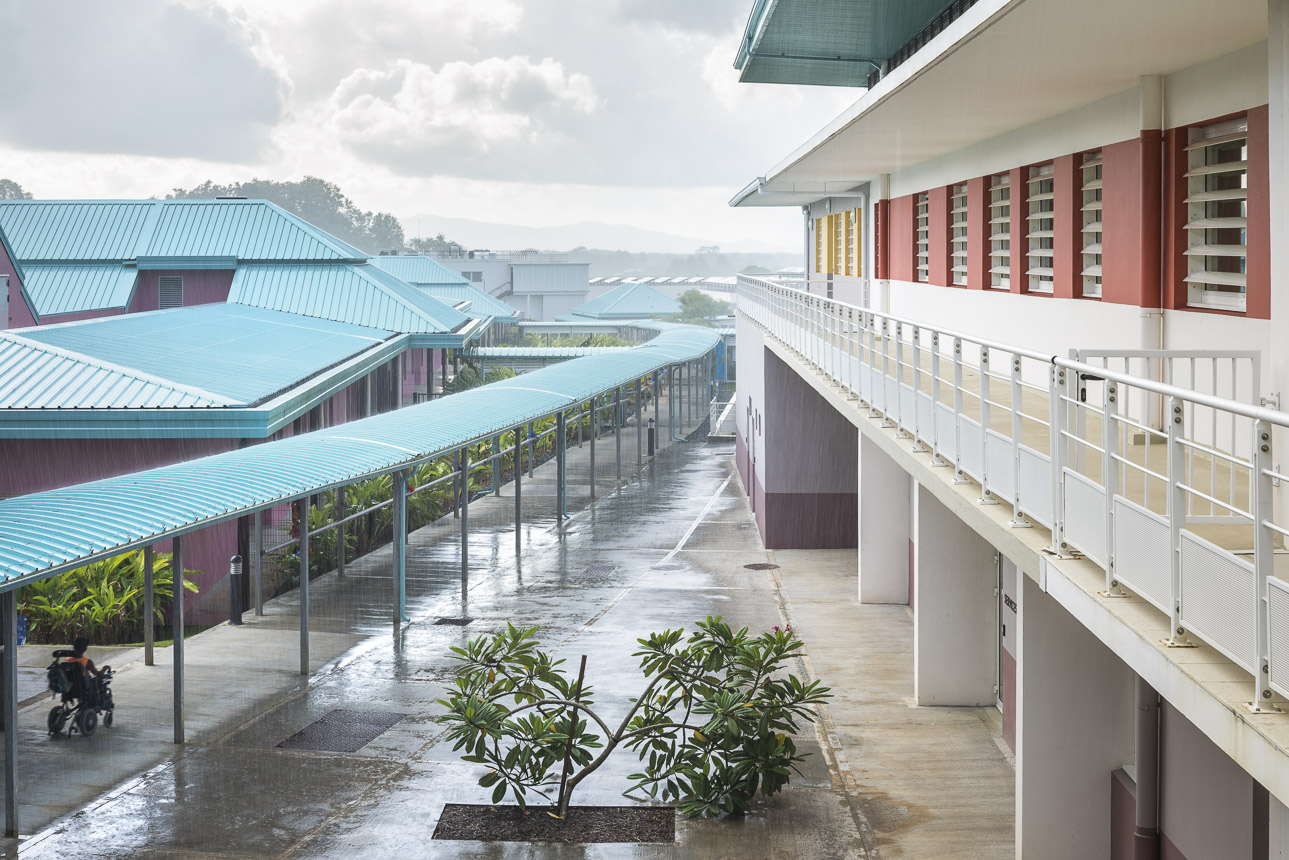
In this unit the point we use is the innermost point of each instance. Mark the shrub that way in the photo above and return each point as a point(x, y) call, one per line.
point(103, 600)
point(713, 726)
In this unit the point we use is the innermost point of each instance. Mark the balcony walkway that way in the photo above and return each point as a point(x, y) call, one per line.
point(885, 779)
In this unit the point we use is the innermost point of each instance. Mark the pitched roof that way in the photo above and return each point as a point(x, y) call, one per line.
point(418, 270)
point(198, 356)
point(69, 288)
point(629, 301)
point(481, 304)
point(358, 294)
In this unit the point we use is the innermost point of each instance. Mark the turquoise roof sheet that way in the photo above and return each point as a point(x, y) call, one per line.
point(358, 294)
point(629, 301)
point(481, 304)
point(204, 355)
point(67, 289)
point(44, 533)
point(244, 229)
point(418, 270)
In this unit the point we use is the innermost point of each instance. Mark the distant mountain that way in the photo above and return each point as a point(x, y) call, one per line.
point(589, 234)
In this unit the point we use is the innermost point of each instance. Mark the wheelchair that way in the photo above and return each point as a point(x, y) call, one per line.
point(81, 698)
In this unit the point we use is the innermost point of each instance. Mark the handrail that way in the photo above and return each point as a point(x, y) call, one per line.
point(974, 418)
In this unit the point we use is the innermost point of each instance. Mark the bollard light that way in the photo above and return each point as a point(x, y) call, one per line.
point(652, 436)
point(235, 586)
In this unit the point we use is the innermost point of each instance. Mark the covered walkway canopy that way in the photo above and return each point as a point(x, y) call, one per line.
point(46, 533)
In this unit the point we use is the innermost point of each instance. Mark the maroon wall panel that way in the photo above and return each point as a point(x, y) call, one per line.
point(938, 232)
point(201, 287)
point(1019, 228)
point(881, 232)
point(902, 251)
point(1067, 223)
point(978, 233)
point(1258, 267)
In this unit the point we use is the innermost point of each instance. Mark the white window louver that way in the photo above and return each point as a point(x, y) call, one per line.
point(1042, 228)
point(958, 220)
point(924, 237)
point(1217, 215)
point(170, 289)
point(1091, 210)
point(1000, 232)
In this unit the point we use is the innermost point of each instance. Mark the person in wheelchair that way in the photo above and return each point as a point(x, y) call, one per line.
point(83, 687)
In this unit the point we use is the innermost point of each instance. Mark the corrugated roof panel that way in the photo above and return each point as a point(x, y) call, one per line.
point(246, 229)
point(233, 354)
point(481, 304)
point(66, 289)
point(629, 301)
point(42, 532)
point(357, 294)
point(74, 229)
point(418, 270)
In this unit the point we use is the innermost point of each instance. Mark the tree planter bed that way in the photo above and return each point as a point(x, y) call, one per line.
point(583, 824)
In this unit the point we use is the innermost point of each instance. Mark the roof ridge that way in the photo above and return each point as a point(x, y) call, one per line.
point(112, 367)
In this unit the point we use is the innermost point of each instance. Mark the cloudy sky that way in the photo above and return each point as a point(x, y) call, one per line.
point(540, 112)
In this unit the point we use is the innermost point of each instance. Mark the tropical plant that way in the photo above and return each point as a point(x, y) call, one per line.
point(713, 726)
point(103, 600)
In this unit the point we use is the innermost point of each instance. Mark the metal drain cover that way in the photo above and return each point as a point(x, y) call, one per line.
point(342, 731)
point(455, 622)
point(599, 569)
point(761, 565)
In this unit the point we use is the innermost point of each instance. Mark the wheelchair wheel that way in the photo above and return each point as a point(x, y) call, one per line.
point(107, 719)
point(57, 719)
point(86, 720)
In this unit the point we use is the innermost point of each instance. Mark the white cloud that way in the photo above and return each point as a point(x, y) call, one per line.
point(412, 114)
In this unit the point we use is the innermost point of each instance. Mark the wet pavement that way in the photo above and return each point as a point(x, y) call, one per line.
point(665, 549)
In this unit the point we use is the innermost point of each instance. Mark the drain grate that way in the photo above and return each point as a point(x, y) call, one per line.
point(599, 569)
point(455, 622)
point(761, 565)
point(342, 731)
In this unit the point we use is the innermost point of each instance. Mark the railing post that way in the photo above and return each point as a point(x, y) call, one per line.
point(959, 476)
point(1018, 520)
point(918, 435)
point(1176, 519)
point(900, 432)
point(986, 495)
point(1263, 510)
point(1110, 480)
point(886, 375)
point(937, 459)
point(1056, 416)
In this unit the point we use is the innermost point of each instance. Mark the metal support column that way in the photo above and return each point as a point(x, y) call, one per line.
point(304, 585)
point(671, 403)
point(639, 428)
point(595, 431)
point(532, 450)
point(341, 547)
point(496, 465)
point(9, 609)
point(456, 485)
point(617, 430)
point(398, 537)
point(519, 477)
point(561, 467)
point(657, 392)
point(177, 622)
point(149, 604)
point(581, 419)
point(257, 559)
point(465, 517)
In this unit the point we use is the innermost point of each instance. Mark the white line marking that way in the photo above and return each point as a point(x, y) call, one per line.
point(694, 525)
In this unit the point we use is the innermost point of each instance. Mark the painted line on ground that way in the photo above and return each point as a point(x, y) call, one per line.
point(697, 520)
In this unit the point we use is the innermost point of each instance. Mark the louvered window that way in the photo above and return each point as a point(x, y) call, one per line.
point(1217, 214)
point(1000, 245)
point(1041, 228)
point(838, 244)
point(1091, 170)
point(821, 252)
point(170, 291)
point(924, 237)
point(854, 239)
point(958, 218)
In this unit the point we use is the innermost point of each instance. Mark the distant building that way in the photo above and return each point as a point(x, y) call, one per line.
point(539, 286)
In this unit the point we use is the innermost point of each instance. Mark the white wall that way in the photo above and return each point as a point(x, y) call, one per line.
point(1235, 82)
point(551, 277)
point(885, 521)
point(955, 624)
point(1075, 724)
point(750, 393)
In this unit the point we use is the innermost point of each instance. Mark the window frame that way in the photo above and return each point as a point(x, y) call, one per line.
point(922, 238)
point(1210, 221)
point(1091, 172)
point(1000, 231)
point(1040, 232)
point(959, 247)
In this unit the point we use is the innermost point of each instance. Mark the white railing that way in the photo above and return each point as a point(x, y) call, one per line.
point(1175, 502)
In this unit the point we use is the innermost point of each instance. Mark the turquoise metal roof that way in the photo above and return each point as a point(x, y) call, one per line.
point(827, 42)
point(418, 270)
point(203, 355)
point(244, 229)
point(481, 304)
point(522, 352)
point(65, 289)
point(629, 301)
point(357, 294)
point(44, 533)
point(69, 230)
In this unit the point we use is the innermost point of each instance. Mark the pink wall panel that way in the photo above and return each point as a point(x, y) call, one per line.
point(977, 233)
point(1067, 223)
point(902, 252)
point(1258, 267)
point(201, 287)
point(1019, 228)
point(20, 315)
